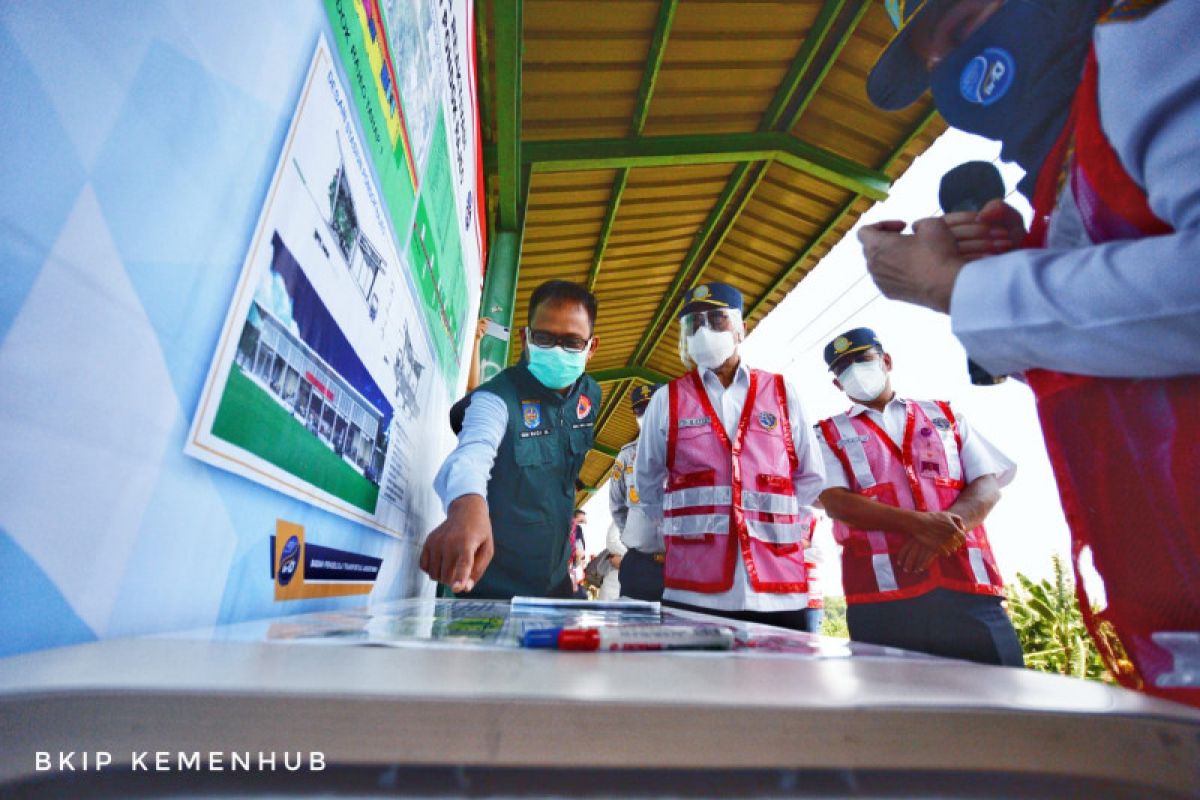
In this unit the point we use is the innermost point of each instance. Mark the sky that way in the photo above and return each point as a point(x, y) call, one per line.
point(1027, 526)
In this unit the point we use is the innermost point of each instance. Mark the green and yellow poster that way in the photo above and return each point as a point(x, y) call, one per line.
point(410, 66)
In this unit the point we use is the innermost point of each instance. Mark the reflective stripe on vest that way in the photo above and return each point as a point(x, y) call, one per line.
point(851, 443)
point(977, 567)
point(779, 533)
point(769, 503)
point(698, 496)
point(696, 524)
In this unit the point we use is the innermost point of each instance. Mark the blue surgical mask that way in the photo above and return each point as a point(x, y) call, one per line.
point(1014, 78)
point(554, 367)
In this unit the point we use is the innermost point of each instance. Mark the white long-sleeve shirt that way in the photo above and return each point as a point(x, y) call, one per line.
point(650, 473)
point(1121, 309)
point(468, 468)
point(634, 527)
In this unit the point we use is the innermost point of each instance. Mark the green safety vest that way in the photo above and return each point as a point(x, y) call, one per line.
point(531, 493)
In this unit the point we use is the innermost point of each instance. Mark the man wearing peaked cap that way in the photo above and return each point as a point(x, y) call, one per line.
point(729, 463)
point(908, 484)
point(634, 542)
point(1098, 303)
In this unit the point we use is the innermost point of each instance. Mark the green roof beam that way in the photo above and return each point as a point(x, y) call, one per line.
point(698, 272)
point(610, 404)
point(710, 225)
point(654, 59)
point(508, 46)
point(828, 61)
point(799, 260)
point(611, 452)
point(658, 46)
point(629, 373)
point(790, 84)
point(575, 155)
point(610, 216)
point(784, 97)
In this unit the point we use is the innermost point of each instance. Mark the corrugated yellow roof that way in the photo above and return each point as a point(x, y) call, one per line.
point(665, 144)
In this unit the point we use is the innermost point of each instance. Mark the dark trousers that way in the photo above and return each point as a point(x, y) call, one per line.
point(972, 627)
point(640, 576)
point(802, 620)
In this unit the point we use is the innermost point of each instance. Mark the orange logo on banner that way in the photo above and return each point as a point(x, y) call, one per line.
point(289, 569)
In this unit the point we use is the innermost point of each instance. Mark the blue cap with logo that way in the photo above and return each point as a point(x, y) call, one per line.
point(899, 76)
point(639, 398)
point(849, 343)
point(708, 296)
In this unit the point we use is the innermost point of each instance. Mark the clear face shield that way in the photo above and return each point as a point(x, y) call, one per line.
point(706, 335)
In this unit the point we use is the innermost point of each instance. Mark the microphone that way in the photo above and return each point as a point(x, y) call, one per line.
point(969, 187)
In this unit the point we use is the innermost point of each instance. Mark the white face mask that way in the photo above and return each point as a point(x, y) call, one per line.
point(638, 420)
point(864, 381)
point(710, 349)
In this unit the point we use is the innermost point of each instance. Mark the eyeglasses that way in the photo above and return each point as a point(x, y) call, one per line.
point(572, 344)
point(717, 319)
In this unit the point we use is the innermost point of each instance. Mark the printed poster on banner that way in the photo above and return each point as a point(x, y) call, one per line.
point(323, 367)
point(410, 64)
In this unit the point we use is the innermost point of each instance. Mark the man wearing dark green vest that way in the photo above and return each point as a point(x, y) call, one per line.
point(509, 486)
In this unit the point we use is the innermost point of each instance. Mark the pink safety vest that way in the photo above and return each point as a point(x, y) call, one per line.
point(1124, 451)
point(724, 499)
point(926, 475)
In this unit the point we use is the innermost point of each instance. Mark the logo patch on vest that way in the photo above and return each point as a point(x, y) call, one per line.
point(583, 407)
point(694, 422)
point(531, 411)
point(767, 420)
point(941, 423)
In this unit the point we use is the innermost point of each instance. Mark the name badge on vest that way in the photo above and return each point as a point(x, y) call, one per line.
point(694, 422)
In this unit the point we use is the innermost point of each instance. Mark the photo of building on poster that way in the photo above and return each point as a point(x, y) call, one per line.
point(323, 368)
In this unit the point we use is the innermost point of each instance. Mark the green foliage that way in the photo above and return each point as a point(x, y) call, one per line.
point(834, 623)
point(1050, 626)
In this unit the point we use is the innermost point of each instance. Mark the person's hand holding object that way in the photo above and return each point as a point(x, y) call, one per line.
point(920, 267)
